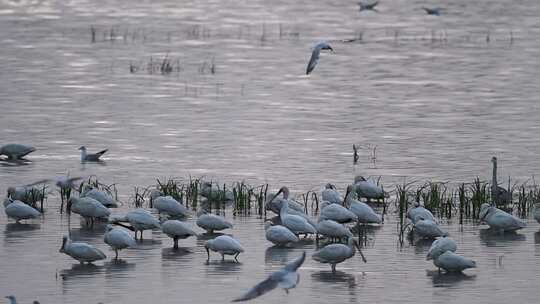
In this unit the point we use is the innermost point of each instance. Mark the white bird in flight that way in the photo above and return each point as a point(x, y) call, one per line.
point(85, 156)
point(286, 278)
point(323, 45)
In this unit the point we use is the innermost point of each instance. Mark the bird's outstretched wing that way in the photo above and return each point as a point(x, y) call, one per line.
point(294, 265)
point(258, 290)
point(313, 61)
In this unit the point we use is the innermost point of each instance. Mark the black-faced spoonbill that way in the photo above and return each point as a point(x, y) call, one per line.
point(177, 230)
point(334, 254)
point(500, 220)
point(81, 252)
point(440, 246)
point(118, 239)
point(452, 262)
point(225, 245)
point(18, 210)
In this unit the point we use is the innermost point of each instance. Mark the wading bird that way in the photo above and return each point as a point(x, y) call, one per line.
point(419, 212)
point(323, 45)
point(91, 156)
point(118, 239)
point(80, 251)
point(334, 254)
point(18, 210)
point(499, 220)
point(16, 151)
point(330, 194)
point(286, 278)
point(177, 230)
point(440, 246)
point(297, 224)
point(367, 189)
point(363, 211)
point(279, 235)
point(337, 213)
point(139, 219)
point(211, 222)
point(452, 262)
point(88, 208)
point(225, 245)
point(170, 206)
point(27, 194)
point(428, 229)
point(99, 195)
point(333, 230)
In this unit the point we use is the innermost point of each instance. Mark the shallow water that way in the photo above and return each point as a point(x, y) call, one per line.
point(437, 106)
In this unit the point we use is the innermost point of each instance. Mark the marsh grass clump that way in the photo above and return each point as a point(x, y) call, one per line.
point(94, 183)
point(35, 197)
point(163, 66)
point(171, 187)
point(243, 195)
point(437, 198)
point(402, 205)
point(480, 194)
point(139, 197)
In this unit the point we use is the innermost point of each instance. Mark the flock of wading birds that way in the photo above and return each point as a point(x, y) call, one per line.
point(291, 222)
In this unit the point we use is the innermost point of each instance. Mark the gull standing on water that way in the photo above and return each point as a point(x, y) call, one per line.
point(91, 156)
point(323, 45)
point(286, 278)
point(225, 245)
point(16, 151)
point(80, 251)
point(118, 239)
point(336, 253)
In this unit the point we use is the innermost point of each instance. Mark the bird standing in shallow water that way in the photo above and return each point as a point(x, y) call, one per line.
point(323, 45)
point(286, 278)
point(225, 245)
point(334, 254)
point(499, 220)
point(118, 239)
point(81, 252)
point(452, 262)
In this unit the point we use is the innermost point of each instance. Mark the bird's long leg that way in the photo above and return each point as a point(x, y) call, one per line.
point(333, 268)
point(116, 256)
point(223, 257)
point(175, 243)
point(236, 256)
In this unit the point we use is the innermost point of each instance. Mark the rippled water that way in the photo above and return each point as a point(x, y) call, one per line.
point(432, 93)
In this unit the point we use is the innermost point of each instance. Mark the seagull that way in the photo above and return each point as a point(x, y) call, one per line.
point(91, 156)
point(323, 45)
point(436, 11)
point(19, 210)
point(211, 222)
point(452, 262)
point(367, 189)
point(225, 245)
point(16, 151)
point(440, 246)
point(81, 252)
point(177, 230)
point(368, 6)
point(286, 278)
point(88, 208)
point(118, 239)
point(500, 220)
point(334, 254)
point(170, 206)
point(279, 235)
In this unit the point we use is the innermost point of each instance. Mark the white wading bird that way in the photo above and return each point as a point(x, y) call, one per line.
point(367, 189)
point(177, 230)
point(213, 194)
point(170, 206)
point(99, 195)
point(419, 212)
point(225, 245)
point(500, 220)
point(452, 262)
point(323, 45)
point(211, 222)
point(274, 203)
point(88, 208)
point(428, 229)
point(334, 254)
point(18, 210)
point(330, 194)
point(337, 213)
point(297, 224)
point(363, 211)
point(16, 151)
point(81, 252)
point(440, 246)
point(286, 278)
point(118, 239)
point(91, 156)
point(139, 219)
point(333, 230)
point(279, 235)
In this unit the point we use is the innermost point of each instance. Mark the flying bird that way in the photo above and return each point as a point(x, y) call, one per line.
point(286, 278)
point(323, 45)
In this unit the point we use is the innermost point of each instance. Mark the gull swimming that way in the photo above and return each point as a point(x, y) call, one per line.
point(279, 235)
point(177, 230)
point(118, 239)
point(80, 251)
point(85, 156)
point(211, 222)
point(18, 210)
point(225, 245)
point(16, 151)
point(452, 262)
point(440, 246)
point(500, 220)
point(323, 45)
point(334, 254)
point(286, 278)
point(368, 6)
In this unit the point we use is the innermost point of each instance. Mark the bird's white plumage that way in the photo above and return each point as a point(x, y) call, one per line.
point(170, 206)
point(177, 230)
point(367, 189)
point(336, 253)
point(330, 194)
point(81, 252)
point(363, 211)
point(452, 262)
point(211, 222)
point(440, 246)
point(315, 54)
point(99, 195)
point(280, 235)
point(118, 239)
point(332, 229)
point(18, 210)
point(16, 151)
point(297, 224)
point(428, 229)
point(337, 213)
point(419, 212)
point(225, 245)
point(88, 207)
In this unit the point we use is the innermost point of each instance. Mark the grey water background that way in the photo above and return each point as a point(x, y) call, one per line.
point(432, 93)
